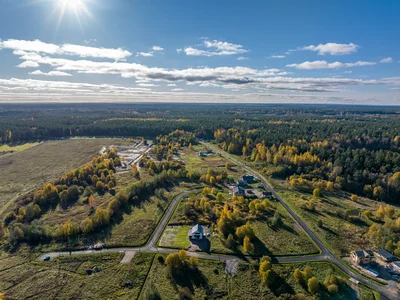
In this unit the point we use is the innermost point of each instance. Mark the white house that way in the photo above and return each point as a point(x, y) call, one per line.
point(196, 232)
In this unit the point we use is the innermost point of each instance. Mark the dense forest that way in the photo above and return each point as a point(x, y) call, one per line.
point(354, 148)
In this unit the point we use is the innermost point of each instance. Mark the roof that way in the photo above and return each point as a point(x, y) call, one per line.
point(237, 189)
point(242, 181)
point(363, 253)
point(396, 263)
point(248, 176)
point(197, 228)
point(383, 253)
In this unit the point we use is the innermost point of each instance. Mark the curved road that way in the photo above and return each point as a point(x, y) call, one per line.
point(326, 253)
point(151, 246)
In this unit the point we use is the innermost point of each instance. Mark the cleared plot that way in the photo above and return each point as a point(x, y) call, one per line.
point(23, 171)
point(175, 237)
point(69, 278)
point(137, 224)
point(201, 164)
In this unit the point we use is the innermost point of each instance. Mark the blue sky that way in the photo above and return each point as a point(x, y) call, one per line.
point(200, 51)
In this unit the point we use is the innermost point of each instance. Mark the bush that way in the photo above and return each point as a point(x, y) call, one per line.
point(333, 289)
point(161, 259)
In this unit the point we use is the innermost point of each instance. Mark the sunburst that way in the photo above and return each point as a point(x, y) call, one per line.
point(78, 7)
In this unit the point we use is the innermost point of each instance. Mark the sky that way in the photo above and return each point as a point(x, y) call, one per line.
point(224, 51)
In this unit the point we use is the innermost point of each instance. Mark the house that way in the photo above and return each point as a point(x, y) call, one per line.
point(238, 191)
point(248, 178)
point(202, 154)
point(362, 256)
point(196, 232)
point(395, 266)
point(242, 182)
point(264, 194)
point(384, 255)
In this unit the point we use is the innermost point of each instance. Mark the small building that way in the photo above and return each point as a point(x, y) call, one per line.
point(248, 178)
point(209, 151)
point(202, 154)
point(384, 255)
point(242, 182)
point(238, 191)
point(196, 232)
point(395, 266)
point(264, 194)
point(362, 256)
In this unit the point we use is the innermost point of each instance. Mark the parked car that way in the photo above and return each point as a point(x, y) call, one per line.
point(46, 258)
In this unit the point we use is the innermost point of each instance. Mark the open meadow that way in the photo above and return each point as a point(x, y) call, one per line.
point(22, 171)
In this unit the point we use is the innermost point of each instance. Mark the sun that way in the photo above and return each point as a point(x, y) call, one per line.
point(77, 7)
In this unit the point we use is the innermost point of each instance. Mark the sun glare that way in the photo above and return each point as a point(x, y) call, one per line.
point(78, 7)
point(75, 5)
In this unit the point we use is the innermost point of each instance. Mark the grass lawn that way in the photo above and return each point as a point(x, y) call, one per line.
point(23, 171)
point(211, 282)
point(181, 240)
point(66, 277)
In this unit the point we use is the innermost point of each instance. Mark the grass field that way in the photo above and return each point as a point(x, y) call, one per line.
point(211, 282)
point(12, 149)
point(343, 236)
point(201, 164)
point(23, 171)
point(137, 224)
point(288, 239)
point(66, 277)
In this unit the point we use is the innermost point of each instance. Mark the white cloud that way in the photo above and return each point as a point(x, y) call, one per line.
point(38, 46)
point(242, 58)
point(322, 64)
point(51, 73)
point(179, 50)
point(332, 48)
point(277, 56)
point(215, 48)
point(28, 64)
point(157, 48)
point(348, 72)
point(177, 90)
point(146, 54)
point(146, 84)
point(386, 60)
point(14, 90)
point(171, 84)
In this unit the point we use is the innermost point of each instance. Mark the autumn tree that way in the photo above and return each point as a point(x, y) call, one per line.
point(248, 247)
point(91, 200)
point(317, 192)
point(313, 285)
point(220, 197)
point(353, 197)
point(245, 230)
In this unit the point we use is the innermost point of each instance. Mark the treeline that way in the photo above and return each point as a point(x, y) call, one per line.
point(373, 126)
point(352, 164)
